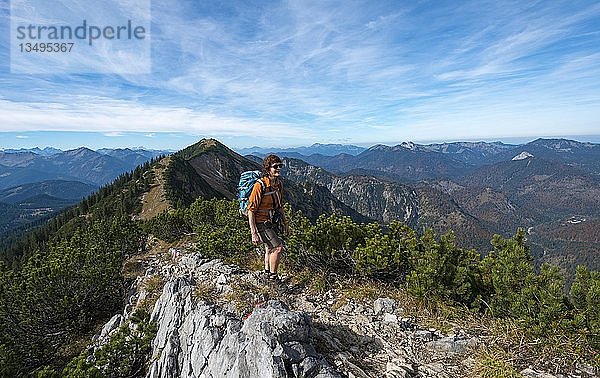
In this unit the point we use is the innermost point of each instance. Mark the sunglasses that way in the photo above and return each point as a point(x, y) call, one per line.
point(277, 166)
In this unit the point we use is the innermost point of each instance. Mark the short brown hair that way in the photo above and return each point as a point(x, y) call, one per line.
point(268, 162)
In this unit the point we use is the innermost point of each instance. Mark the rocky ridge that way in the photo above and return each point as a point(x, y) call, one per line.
point(218, 320)
point(374, 198)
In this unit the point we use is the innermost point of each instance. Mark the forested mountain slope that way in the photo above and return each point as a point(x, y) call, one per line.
point(208, 169)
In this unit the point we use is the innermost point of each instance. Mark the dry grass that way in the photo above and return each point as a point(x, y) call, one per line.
point(154, 202)
point(246, 296)
point(556, 353)
point(367, 291)
point(133, 268)
point(428, 313)
point(153, 286)
point(205, 291)
point(494, 363)
point(251, 261)
point(311, 282)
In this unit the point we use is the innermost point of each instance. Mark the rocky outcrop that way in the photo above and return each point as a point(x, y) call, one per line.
point(284, 332)
point(210, 338)
point(203, 340)
point(374, 198)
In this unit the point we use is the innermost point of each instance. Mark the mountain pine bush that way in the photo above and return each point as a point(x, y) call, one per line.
point(71, 282)
point(62, 291)
point(442, 270)
point(219, 228)
point(585, 297)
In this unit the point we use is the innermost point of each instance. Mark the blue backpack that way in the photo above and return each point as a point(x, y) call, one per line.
point(247, 181)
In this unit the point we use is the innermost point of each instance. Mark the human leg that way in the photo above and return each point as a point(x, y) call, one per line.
point(267, 259)
point(273, 247)
point(274, 256)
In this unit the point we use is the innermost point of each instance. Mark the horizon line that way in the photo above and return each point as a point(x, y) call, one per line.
point(504, 140)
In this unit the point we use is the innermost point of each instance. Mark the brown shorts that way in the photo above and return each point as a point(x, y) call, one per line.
point(268, 235)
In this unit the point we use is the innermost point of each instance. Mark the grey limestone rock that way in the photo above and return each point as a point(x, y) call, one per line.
point(530, 373)
point(396, 369)
point(191, 260)
point(448, 345)
point(384, 306)
point(113, 324)
point(423, 335)
point(202, 340)
point(390, 318)
point(587, 369)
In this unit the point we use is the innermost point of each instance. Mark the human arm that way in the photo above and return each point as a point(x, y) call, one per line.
point(253, 230)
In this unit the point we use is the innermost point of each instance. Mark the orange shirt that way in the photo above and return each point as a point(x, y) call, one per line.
point(260, 204)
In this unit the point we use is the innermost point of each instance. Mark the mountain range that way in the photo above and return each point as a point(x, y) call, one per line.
point(478, 189)
point(113, 265)
point(81, 164)
point(548, 186)
point(473, 189)
point(37, 183)
point(316, 148)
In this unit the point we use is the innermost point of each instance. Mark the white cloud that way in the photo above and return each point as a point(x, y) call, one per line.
point(114, 117)
point(314, 70)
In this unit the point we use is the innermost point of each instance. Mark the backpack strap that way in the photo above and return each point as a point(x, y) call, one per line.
point(276, 195)
point(264, 187)
point(274, 192)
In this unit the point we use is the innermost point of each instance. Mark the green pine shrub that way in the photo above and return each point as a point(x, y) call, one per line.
point(441, 270)
point(168, 225)
point(220, 230)
point(514, 289)
point(329, 244)
point(126, 354)
point(63, 291)
point(585, 297)
point(386, 256)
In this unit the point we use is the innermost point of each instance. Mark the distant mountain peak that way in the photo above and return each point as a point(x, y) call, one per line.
point(379, 147)
point(522, 156)
point(327, 145)
point(203, 146)
point(297, 152)
point(79, 151)
point(409, 145)
point(46, 151)
point(561, 145)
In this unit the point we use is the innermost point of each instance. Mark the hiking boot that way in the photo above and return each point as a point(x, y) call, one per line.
point(274, 278)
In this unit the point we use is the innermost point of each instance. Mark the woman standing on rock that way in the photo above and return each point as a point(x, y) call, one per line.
point(266, 216)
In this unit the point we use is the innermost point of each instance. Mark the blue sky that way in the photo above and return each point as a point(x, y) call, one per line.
point(298, 72)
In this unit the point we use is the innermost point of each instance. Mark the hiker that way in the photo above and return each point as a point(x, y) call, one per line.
point(266, 216)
